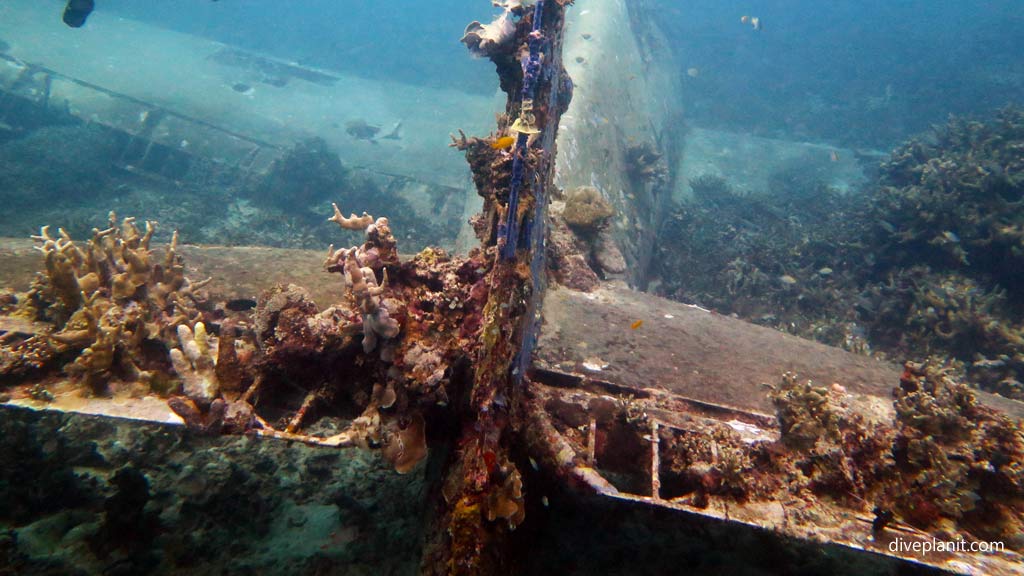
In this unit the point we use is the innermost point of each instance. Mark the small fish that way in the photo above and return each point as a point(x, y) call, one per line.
point(693, 72)
point(503, 142)
point(787, 280)
point(636, 324)
point(360, 130)
point(754, 21)
point(826, 271)
point(951, 236)
point(833, 156)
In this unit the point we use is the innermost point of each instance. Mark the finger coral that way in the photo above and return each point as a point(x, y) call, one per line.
point(359, 266)
point(353, 222)
point(208, 369)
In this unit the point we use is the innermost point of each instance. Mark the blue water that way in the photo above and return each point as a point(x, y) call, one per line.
point(860, 74)
point(866, 73)
point(401, 40)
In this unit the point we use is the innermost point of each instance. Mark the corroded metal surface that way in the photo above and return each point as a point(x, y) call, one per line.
point(623, 381)
point(19, 263)
point(123, 404)
point(689, 351)
point(685, 369)
point(583, 437)
point(695, 353)
point(682, 349)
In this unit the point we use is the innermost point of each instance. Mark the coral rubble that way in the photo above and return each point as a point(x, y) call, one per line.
point(960, 465)
point(110, 313)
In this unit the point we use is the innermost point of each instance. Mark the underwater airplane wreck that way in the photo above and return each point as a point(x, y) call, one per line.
point(172, 408)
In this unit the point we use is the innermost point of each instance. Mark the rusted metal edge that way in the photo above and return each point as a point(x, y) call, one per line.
point(557, 456)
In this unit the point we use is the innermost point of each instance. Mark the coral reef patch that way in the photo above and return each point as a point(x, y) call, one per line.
point(103, 309)
point(924, 263)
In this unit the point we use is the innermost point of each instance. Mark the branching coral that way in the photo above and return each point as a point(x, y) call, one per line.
point(102, 302)
point(955, 202)
point(772, 259)
point(838, 452)
point(698, 466)
point(353, 222)
point(933, 314)
point(944, 462)
point(804, 412)
point(939, 461)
